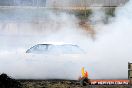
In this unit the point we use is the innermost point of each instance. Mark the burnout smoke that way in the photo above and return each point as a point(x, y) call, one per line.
point(105, 57)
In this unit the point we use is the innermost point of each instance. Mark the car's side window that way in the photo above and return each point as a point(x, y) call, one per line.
point(51, 49)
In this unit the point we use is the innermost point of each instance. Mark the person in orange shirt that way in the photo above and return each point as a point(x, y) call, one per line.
point(86, 74)
point(84, 80)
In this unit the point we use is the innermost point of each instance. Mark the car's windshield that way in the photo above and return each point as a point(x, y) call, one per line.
point(50, 48)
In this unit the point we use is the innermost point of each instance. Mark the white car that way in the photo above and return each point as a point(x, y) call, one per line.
point(55, 61)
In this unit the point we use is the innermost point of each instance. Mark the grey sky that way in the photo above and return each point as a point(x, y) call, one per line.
point(61, 2)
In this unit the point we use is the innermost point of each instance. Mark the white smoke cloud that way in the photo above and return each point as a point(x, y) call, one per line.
point(106, 57)
point(16, 37)
point(113, 46)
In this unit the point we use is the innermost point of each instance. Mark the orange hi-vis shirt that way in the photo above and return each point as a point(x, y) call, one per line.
point(86, 74)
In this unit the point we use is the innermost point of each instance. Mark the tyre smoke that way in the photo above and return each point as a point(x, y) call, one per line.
point(105, 57)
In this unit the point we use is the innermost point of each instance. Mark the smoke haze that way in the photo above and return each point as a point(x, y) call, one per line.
point(106, 57)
